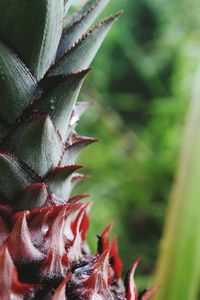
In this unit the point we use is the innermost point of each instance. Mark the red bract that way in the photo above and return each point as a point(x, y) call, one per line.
point(56, 264)
point(96, 286)
point(131, 289)
point(10, 287)
point(114, 257)
point(19, 241)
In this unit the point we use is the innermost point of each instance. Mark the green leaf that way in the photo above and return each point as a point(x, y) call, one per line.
point(178, 267)
point(37, 143)
point(14, 175)
point(59, 101)
point(33, 196)
point(72, 151)
point(81, 22)
point(17, 85)
point(34, 29)
point(81, 55)
point(59, 180)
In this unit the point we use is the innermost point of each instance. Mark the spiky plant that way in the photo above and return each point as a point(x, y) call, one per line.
point(44, 58)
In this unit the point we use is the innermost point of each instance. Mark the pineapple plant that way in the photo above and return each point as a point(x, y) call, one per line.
point(45, 55)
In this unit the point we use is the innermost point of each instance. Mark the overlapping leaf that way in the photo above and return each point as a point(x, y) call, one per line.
point(14, 176)
point(37, 143)
point(19, 241)
point(72, 151)
point(81, 55)
point(32, 196)
point(17, 86)
point(43, 142)
point(59, 180)
point(59, 102)
point(80, 24)
point(33, 29)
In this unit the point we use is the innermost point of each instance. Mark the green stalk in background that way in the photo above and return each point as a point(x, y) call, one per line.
point(178, 268)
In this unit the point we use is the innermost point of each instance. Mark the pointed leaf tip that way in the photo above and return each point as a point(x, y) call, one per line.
point(76, 198)
point(79, 24)
point(59, 100)
point(56, 263)
point(103, 240)
point(72, 150)
point(82, 221)
point(59, 180)
point(82, 53)
point(149, 293)
point(104, 243)
point(63, 171)
point(19, 241)
point(97, 282)
point(131, 290)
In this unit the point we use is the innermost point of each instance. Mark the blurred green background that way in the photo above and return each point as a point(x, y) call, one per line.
point(142, 85)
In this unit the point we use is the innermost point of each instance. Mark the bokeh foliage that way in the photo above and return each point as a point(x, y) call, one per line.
point(142, 84)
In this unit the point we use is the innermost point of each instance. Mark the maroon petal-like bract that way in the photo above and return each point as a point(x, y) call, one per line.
point(19, 241)
point(10, 286)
